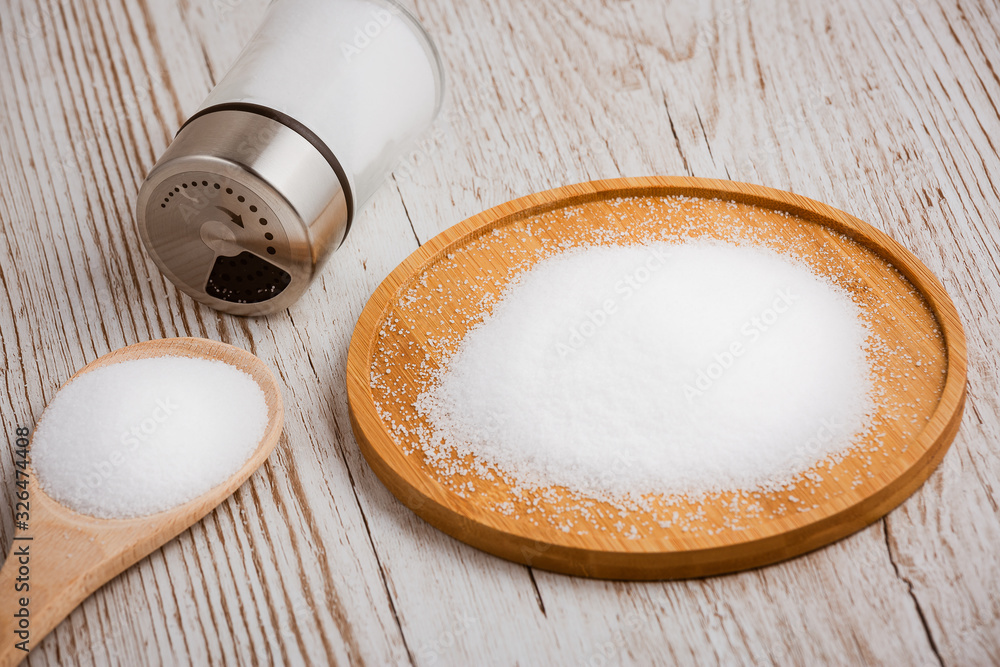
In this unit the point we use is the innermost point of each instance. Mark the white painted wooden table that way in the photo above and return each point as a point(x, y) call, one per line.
point(885, 109)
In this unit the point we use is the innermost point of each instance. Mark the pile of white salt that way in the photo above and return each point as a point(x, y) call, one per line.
point(145, 435)
point(686, 369)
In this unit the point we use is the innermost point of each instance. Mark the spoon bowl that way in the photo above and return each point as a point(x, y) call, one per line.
point(63, 556)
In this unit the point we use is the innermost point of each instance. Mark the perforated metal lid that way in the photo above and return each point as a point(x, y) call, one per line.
point(242, 209)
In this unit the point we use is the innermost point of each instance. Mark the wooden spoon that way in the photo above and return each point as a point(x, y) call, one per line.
point(64, 556)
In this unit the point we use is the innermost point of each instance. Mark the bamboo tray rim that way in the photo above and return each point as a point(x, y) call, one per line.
point(430, 503)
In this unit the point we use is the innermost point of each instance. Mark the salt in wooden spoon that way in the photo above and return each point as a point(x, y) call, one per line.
point(64, 556)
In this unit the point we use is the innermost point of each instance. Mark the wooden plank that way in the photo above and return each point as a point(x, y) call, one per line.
point(886, 110)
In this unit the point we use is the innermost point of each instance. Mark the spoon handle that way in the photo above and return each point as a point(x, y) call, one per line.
point(49, 570)
point(37, 595)
point(70, 555)
point(19, 610)
point(55, 564)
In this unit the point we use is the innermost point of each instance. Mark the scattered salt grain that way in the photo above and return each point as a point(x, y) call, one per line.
point(145, 435)
point(628, 370)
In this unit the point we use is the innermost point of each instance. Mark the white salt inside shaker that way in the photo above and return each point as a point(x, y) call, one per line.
point(261, 184)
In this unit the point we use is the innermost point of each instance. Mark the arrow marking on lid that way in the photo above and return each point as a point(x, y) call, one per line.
point(237, 219)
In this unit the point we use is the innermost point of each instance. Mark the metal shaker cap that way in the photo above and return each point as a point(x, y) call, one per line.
point(243, 208)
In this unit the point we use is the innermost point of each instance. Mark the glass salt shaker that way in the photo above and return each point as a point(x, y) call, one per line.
point(262, 182)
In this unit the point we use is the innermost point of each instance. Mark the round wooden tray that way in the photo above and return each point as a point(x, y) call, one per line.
point(429, 302)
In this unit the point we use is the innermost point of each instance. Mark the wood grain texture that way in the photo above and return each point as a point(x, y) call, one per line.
point(70, 555)
point(432, 300)
point(885, 109)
